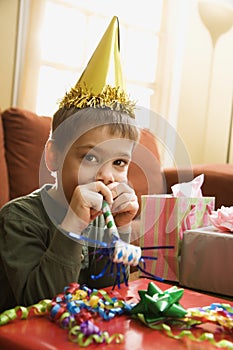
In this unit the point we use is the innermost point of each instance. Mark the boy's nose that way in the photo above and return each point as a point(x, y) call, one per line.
point(105, 174)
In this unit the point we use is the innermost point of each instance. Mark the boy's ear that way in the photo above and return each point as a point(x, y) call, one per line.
point(51, 156)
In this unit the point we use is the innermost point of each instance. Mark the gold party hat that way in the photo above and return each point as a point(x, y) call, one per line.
point(94, 88)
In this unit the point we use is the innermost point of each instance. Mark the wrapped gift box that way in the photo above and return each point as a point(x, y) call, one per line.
point(206, 260)
point(164, 219)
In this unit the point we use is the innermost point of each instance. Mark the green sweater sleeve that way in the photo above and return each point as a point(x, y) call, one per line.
point(37, 260)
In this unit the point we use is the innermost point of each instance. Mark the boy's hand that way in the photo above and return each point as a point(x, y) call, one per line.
point(125, 203)
point(86, 205)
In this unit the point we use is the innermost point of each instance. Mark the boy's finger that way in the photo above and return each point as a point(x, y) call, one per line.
point(122, 201)
point(120, 188)
point(97, 188)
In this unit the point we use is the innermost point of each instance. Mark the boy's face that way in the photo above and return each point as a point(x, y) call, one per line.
point(95, 156)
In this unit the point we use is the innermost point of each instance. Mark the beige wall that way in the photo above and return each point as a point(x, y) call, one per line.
point(8, 36)
point(205, 131)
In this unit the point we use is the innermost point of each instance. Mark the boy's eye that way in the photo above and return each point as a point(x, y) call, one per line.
point(90, 158)
point(120, 162)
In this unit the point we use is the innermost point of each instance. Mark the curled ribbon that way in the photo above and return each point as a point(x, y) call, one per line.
point(87, 333)
point(21, 312)
point(224, 343)
point(75, 310)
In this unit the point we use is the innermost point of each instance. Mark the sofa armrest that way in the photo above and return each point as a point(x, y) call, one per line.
point(218, 180)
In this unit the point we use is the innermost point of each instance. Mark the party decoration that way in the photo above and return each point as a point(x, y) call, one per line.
point(220, 314)
point(118, 252)
point(157, 305)
point(109, 220)
point(22, 312)
point(160, 310)
point(121, 253)
point(96, 87)
point(222, 219)
point(87, 333)
point(78, 309)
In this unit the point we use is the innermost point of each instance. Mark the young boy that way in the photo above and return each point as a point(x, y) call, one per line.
point(89, 152)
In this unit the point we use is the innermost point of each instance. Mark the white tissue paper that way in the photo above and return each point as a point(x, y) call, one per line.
point(190, 189)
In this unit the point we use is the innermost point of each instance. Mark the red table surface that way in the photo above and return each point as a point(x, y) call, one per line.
point(40, 333)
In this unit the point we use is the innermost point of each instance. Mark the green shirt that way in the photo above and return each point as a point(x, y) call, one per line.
point(37, 260)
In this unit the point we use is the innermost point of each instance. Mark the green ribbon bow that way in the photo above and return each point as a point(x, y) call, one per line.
point(156, 305)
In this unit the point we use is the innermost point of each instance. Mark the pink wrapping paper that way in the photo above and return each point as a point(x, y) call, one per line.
point(164, 219)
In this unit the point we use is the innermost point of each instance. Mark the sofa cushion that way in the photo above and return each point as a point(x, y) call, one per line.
point(25, 137)
point(4, 186)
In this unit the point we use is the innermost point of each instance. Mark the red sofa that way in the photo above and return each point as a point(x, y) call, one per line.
point(22, 138)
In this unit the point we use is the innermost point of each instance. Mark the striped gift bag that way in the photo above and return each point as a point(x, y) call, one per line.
point(164, 218)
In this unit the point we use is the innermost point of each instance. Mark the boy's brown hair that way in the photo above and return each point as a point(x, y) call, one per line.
point(69, 124)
